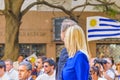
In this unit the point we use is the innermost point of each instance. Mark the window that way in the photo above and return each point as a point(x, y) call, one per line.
point(28, 49)
point(57, 27)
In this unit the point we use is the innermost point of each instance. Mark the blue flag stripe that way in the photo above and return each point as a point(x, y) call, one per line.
point(109, 25)
point(108, 20)
point(99, 30)
point(104, 35)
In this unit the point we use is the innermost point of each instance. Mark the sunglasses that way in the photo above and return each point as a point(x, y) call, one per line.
point(45, 66)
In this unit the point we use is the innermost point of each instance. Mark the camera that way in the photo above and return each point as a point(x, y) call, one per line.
point(100, 61)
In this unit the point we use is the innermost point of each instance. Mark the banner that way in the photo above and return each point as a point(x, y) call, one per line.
point(101, 27)
point(32, 58)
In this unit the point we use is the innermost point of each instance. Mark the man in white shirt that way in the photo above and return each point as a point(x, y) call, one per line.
point(13, 74)
point(16, 63)
point(109, 73)
point(25, 70)
point(3, 75)
point(49, 68)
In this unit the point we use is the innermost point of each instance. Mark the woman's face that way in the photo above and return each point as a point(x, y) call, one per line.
point(39, 63)
point(93, 75)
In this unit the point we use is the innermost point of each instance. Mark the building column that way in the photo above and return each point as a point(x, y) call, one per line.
point(51, 50)
point(92, 47)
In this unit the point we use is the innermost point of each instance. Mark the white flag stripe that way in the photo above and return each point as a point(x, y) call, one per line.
point(113, 23)
point(108, 27)
point(99, 38)
point(104, 32)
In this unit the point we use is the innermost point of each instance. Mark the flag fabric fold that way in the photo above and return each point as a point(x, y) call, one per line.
point(101, 27)
point(32, 58)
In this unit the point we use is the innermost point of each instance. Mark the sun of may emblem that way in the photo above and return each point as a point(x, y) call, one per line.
point(93, 22)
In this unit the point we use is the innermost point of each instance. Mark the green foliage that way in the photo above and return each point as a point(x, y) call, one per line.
point(112, 11)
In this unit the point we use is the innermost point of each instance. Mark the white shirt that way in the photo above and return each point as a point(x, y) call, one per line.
point(5, 77)
point(29, 78)
point(110, 73)
point(15, 65)
point(40, 72)
point(46, 77)
point(13, 74)
point(101, 78)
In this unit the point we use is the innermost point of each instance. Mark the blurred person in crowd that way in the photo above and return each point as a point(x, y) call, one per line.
point(12, 73)
point(25, 70)
point(49, 66)
point(98, 63)
point(118, 68)
point(95, 73)
point(77, 65)
point(39, 65)
point(91, 63)
point(3, 75)
point(114, 66)
point(64, 54)
point(32, 60)
point(108, 73)
point(16, 63)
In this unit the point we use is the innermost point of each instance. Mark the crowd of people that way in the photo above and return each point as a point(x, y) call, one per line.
point(43, 69)
point(103, 69)
point(74, 62)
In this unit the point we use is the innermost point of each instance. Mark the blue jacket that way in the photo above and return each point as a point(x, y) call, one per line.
point(61, 62)
point(76, 68)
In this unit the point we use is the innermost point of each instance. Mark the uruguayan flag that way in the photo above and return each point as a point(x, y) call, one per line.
point(32, 58)
point(101, 27)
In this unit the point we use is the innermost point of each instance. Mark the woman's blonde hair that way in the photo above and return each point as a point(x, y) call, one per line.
point(75, 40)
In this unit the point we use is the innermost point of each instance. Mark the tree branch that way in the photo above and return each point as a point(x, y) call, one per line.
point(90, 4)
point(7, 4)
point(82, 9)
point(1, 12)
point(16, 10)
point(45, 3)
point(117, 6)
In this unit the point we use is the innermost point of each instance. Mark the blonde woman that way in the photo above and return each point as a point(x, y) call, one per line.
point(77, 65)
point(63, 54)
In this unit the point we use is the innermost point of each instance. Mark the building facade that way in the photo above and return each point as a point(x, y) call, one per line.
point(37, 32)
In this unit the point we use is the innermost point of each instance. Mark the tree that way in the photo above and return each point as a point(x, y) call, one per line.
point(13, 15)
